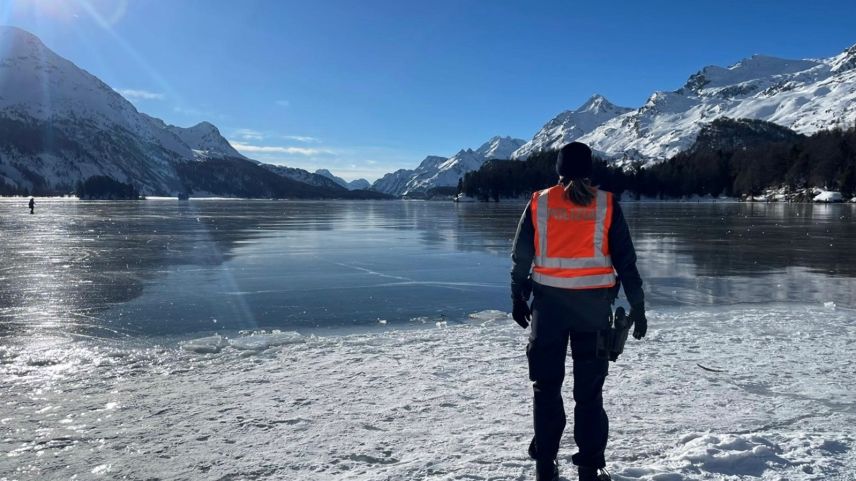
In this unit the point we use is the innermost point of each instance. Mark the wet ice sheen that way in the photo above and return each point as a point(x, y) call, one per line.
point(448, 403)
point(127, 269)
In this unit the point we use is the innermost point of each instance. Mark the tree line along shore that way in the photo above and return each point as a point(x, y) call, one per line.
point(745, 159)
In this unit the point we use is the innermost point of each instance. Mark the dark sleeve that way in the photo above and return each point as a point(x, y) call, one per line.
point(624, 257)
point(522, 254)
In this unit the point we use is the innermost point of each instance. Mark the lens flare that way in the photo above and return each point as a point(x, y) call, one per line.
point(106, 12)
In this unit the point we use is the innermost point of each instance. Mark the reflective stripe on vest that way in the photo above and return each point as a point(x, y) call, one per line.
point(581, 282)
point(593, 271)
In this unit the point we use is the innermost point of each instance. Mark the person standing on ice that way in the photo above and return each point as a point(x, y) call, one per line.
point(577, 239)
point(32, 205)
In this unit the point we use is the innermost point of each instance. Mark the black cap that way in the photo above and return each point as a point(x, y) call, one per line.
point(574, 161)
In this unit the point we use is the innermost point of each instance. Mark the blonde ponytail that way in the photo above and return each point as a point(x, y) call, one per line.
point(579, 191)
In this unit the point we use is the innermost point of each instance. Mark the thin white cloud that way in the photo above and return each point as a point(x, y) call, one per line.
point(302, 138)
point(257, 135)
point(249, 134)
point(137, 94)
point(245, 148)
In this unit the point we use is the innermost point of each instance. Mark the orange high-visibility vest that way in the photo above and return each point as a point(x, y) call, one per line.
point(572, 241)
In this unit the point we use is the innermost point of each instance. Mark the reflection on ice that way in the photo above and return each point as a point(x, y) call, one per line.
point(124, 269)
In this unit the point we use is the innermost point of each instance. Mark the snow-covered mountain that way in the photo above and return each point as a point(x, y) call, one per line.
point(206, 139)
point(60, 125)
point(571, 125)
point(802, 95)
point(358, 184)
point(394, 183)
point(499, 148)
point(437, 171)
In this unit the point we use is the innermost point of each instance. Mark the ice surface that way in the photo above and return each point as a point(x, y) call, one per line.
point(172, 268)
point(436, 404)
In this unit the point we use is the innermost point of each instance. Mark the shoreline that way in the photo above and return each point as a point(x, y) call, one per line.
point(729, 200)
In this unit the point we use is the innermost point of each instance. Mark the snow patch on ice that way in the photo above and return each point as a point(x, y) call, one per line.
point(828, 196)
point(206, 345)
point(253, 341)
point(735, 456)
point(262, 341)
point(730, 454)
point(489, 315)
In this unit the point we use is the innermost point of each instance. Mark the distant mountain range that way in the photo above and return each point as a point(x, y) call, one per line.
point(60, 125)
point(352, 185)
point(571, 125)
point(436, 171)
point(802, 95)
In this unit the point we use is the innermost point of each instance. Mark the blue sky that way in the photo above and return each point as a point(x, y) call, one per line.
point(367, 87)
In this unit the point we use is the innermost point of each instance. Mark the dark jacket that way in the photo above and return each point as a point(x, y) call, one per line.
point(620, 248)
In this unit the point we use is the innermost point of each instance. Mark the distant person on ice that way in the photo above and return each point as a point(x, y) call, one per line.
point(578, 239)
point(32, 205)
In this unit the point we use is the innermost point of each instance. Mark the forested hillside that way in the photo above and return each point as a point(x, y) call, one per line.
point(730, 157)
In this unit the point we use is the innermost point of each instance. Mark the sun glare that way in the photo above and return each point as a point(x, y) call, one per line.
point(105, 12)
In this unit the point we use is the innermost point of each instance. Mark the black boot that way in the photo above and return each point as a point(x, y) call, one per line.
point(593, 474)
point(546, 470)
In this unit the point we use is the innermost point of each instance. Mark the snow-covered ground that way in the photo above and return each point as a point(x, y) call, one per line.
point(828, 196)
point(760, 392)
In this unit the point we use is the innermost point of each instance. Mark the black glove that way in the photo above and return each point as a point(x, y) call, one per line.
point(521, 290)
point(521, 313)
point(640, 322)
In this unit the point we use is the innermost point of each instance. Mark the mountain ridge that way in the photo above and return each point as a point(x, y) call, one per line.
point(63, 125)
point(356, 184)
point(436, 171)
point(805, 95)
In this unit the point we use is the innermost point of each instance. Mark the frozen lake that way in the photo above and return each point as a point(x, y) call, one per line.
point(137, 342)
point(168, 267)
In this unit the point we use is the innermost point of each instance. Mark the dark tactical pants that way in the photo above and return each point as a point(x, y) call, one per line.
point(560, 317)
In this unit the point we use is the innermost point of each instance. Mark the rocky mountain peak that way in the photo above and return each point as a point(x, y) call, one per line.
point(596, 104)
point(19, 42)
point(845, 61)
